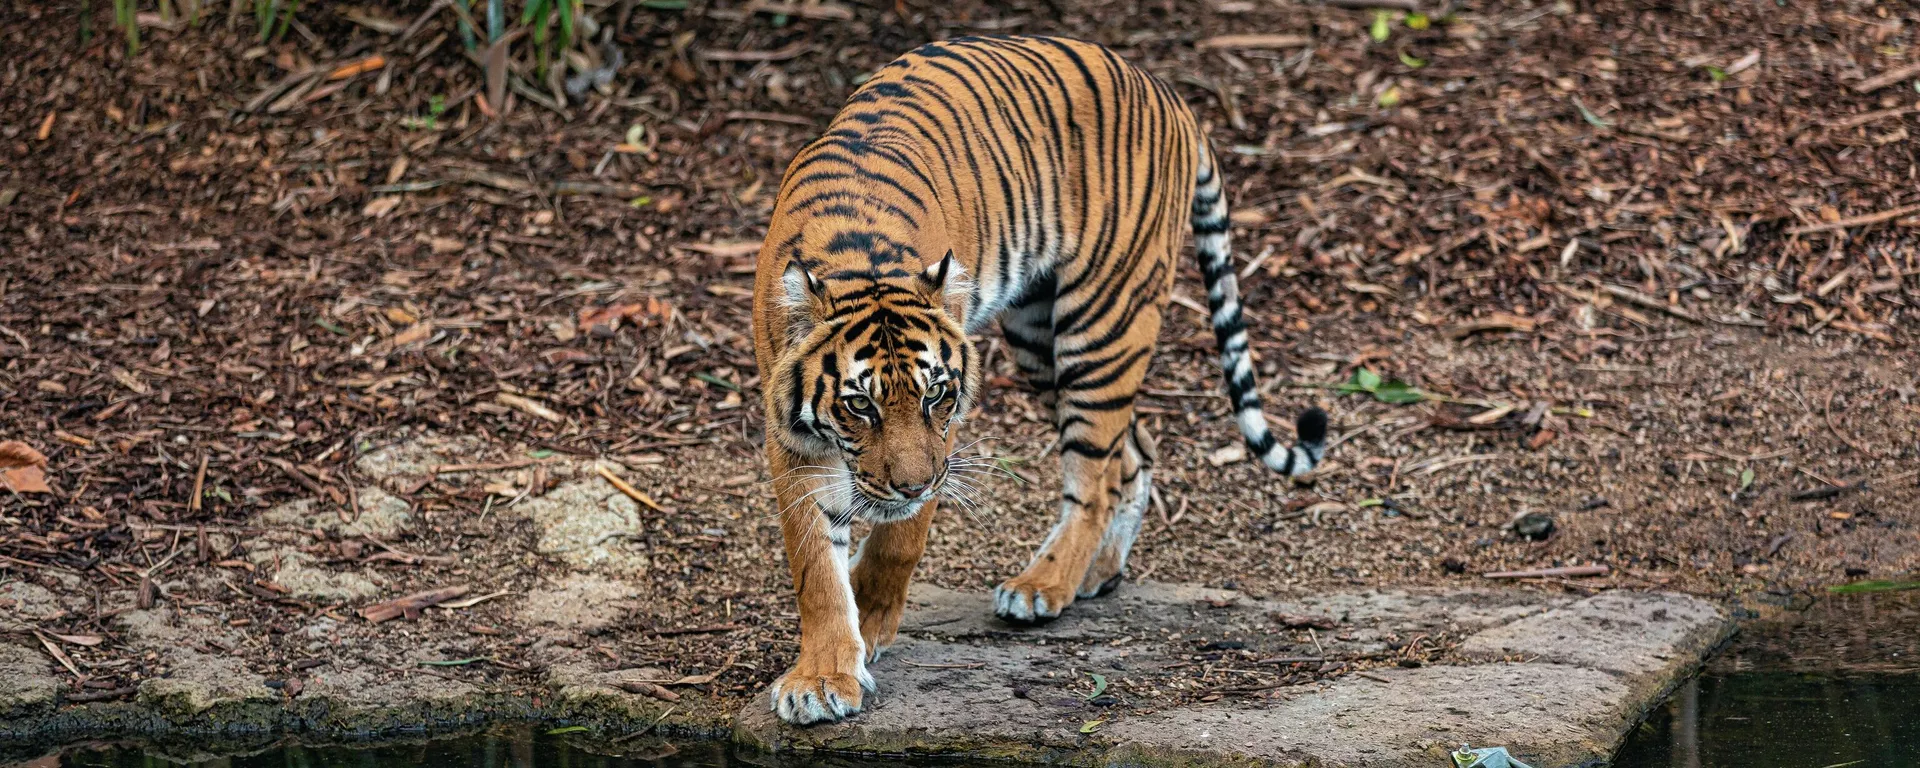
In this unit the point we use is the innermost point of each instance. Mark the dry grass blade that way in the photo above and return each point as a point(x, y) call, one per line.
point(411, 605)
point(626, 488)
point(1856, 221)
point(1887, 78)
point(1254, 41)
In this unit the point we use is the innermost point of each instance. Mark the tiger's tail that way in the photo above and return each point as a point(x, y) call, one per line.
point(1230, 332)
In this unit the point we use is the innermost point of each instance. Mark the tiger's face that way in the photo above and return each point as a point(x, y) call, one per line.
point(876, 376)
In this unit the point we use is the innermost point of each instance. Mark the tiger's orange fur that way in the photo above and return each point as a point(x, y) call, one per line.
point(1041, 182)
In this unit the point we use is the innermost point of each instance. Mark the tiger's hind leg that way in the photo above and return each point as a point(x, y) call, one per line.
point(1028, 326)
point(1100, 366)
point(1136, 491)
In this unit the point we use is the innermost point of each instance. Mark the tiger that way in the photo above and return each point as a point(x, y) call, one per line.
point(1041, 182)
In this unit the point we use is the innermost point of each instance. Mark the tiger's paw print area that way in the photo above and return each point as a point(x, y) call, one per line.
point(1023, 600)
point(1374, 677)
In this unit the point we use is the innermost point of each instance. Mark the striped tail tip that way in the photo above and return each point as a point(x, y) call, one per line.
point(1306, 451)
point(1312, 428)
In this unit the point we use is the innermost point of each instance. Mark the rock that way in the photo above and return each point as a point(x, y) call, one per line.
point(381, 515)
point(961, 684)
point(27, 681)
point(579, 603)
point(305, 579)
point(586, 524)
point(1648, 639)
point(1533, 526)
point(197, 682)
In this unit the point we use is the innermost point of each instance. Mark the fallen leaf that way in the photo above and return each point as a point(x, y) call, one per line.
point(740, 248)
point(350, 69)
point(1231, 454)
point(1254, 41)
point(453, 662)
point(381, 206)
point(83, 640)
point(473, 601)
point(1499, 321)
point(1302, 621)
point(22, 469)
point(528, 405)
point(1099, 685)
point(607, 319)
point(1491, 415)
point(415, 333)
point(46, 127)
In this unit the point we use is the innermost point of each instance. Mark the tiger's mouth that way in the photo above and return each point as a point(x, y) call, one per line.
point(885, 508)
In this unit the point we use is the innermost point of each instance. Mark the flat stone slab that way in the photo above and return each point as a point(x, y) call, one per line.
point(1556, 680)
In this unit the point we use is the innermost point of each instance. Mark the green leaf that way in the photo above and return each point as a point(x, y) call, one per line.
point(1099, 685)
point(540, 454)
point(1363, 503)
point(716, 381)
point(1006, 465)
point(1418, 21)
point(1398, 392)
point(1412, 60)
point(1746, 478)
point(664, 5)
point(455, 663)
point(1366, 380)
point(1589, 116)
point(1092, 725)
point(223, 494)
point(1380, 29)
point(567, 729)
point(640, 202)
point(1718, 74)
point(331, 328)
point(1873, 586)
point(1388, 98)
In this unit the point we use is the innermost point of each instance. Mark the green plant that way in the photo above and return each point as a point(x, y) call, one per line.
point(265, 13)
point(542, 15)
point(126, 14)
point(1396, 391)
point(272, 16)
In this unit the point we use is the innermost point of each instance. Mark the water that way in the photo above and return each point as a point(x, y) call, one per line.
point(1781, 720)
point(1833, 686)
point(505, 747)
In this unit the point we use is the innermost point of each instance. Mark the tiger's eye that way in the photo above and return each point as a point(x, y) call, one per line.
point(936, 393)
point(859, 403)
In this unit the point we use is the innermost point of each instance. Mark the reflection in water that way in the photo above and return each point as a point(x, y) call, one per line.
point(507, 747)
point(504, 747)
point(1836, 685)
point(1782, 720)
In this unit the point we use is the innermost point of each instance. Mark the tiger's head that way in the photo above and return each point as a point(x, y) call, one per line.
point(876, 372)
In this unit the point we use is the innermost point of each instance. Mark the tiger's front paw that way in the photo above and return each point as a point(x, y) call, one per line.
point(1024, 599)
point(822, 688)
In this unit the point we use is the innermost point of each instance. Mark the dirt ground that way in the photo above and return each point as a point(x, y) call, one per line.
point(1657, 260)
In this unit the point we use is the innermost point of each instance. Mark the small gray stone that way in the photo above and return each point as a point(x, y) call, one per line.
point(27, 681)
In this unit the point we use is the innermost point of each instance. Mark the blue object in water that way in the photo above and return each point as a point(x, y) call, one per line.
point(1487, 757)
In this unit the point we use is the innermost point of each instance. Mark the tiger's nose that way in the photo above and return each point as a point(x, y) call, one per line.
point(910, 489)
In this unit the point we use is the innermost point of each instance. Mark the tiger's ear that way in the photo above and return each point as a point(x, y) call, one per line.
point(946, 284)
point(805, 298)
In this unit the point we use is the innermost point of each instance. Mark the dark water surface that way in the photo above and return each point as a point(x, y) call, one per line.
point(1833, 686)
point(1781, 720)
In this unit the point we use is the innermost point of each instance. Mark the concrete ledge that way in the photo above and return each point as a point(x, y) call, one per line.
point(1557, 681)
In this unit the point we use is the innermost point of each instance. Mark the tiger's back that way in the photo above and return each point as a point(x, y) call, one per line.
point(1040, 181)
